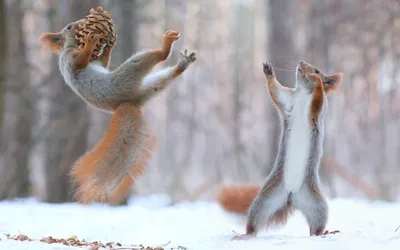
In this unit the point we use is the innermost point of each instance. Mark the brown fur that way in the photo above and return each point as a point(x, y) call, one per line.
point(327, 79)
point(238, 198)
point(317, 101)
point(273, 183)
point(273, 86)
point(169, 38)
point(281, 216)
point(83, 56)
point(315, 189)
point(96, 174)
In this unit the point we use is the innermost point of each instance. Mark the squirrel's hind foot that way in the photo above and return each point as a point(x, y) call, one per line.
point(331, 232)
point(243, 237)
point(326, 232)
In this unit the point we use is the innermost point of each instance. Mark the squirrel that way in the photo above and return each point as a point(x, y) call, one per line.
point(107, 172)
point(294, 180)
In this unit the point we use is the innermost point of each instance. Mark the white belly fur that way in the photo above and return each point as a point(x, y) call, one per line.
point(298, 144)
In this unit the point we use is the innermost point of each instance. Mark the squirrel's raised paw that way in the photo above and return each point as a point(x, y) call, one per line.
point(170, 36)
point(268, 70)
point(186, 59)
point(191, 57)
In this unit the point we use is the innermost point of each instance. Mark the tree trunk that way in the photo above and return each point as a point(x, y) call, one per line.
point(282, 22)
point(319, 42)
point(242, 62)
point(175, 161)
point(3, 46)
point(14, 174)
point(126, 27)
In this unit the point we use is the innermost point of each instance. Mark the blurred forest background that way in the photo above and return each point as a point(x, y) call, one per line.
point(216, 124)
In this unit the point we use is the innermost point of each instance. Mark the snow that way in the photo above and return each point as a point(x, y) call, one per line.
point(151, 221)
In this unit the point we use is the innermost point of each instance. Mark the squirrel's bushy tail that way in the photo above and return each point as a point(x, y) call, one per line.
point(107, 172)
point(238, 199)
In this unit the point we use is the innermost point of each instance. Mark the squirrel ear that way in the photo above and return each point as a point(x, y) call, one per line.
point(52, 41)
point(332, 82)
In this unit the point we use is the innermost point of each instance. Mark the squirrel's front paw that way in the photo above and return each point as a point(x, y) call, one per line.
point(91, 40)
point(170, 37)
point(268, 70)
point(187, 58)
point(191, 57)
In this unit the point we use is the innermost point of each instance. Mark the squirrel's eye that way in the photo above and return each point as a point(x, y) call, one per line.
point(316, 71)
point(69, 27)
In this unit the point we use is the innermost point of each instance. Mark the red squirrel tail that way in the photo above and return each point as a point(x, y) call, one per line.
point(237, 198)
point(108, 171)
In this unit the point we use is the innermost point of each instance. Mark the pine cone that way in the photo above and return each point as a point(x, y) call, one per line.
point(98, 22)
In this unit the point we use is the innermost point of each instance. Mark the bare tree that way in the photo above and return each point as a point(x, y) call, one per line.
point(14, 175)
point(3, 47)
point(175, 16)
point(126, 24)
point(242, 33)
point(321, 15)
point(282, 17)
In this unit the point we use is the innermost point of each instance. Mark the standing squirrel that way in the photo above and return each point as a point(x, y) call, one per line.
point(294, 180)
point(107, 172)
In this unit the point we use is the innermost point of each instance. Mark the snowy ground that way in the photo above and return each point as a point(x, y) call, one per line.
point(203, 225)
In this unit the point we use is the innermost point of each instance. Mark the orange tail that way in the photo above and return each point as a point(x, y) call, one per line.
point(238, 198)
point(107, 172)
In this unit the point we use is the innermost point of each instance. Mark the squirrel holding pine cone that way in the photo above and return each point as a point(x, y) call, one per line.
point(98, 22)
point(107, 172)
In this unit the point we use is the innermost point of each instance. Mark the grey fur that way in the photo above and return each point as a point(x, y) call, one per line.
point(267, 202)
point(107, 90)
point(313, 205)
point(309, 199)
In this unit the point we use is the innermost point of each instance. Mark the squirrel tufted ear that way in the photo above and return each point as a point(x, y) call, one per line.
point(332, 82)
point(52, 41)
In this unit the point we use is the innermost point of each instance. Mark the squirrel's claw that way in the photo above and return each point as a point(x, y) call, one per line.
point(331, 232)
point(183, 53)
